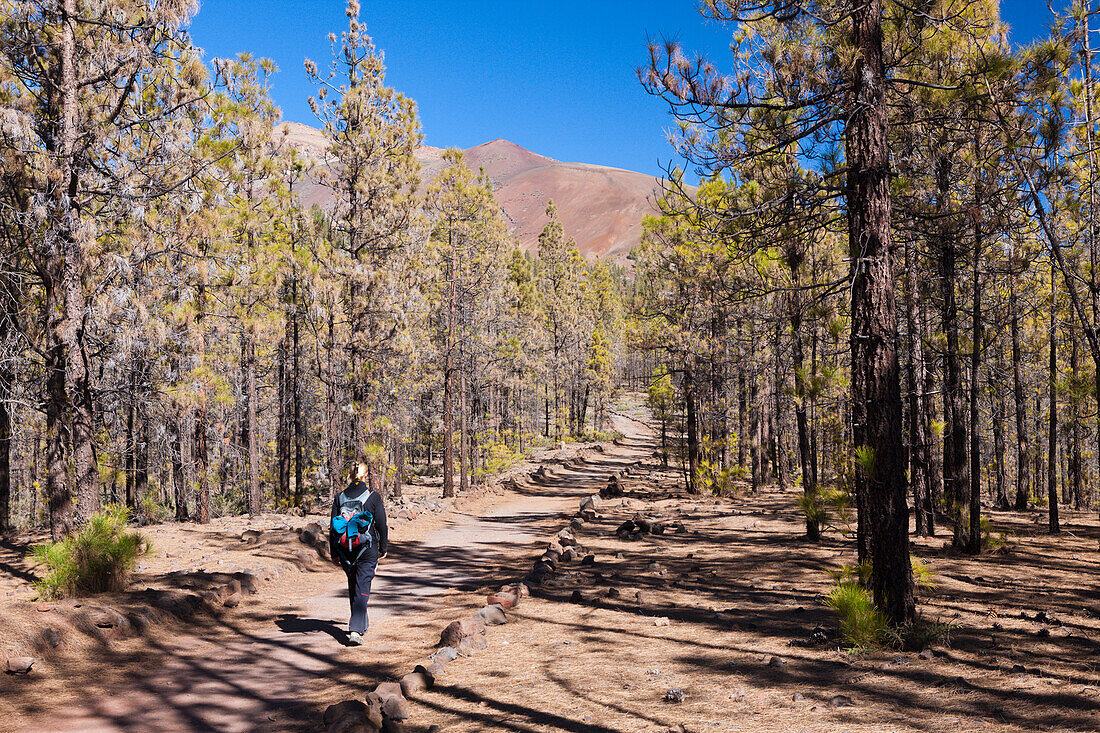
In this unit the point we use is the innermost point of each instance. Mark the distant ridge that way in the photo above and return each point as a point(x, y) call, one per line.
point(601, 207)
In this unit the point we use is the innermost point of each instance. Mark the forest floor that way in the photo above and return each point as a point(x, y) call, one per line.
point(725, 607)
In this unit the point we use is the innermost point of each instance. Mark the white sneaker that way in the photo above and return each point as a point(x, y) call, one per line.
point(355, 638)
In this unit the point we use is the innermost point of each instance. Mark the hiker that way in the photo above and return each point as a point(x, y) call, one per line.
point(358, 539)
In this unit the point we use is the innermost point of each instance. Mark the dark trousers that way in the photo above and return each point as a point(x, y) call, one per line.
point(360, 576)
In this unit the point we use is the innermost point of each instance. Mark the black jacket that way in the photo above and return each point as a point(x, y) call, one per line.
point(372, 503)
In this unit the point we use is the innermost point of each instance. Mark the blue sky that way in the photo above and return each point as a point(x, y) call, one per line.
point(555, 77)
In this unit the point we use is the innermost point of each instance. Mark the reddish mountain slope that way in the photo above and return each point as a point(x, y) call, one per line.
point(602, 208)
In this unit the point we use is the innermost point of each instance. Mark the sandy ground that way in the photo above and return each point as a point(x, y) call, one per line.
point(273, 662)
point(725, 607)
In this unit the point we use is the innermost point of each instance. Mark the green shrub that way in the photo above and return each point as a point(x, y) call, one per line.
point(153, 511)
point(718, 481)
point(862, 624)
point(96, 559)
point(826, 506)
point(499, 456)
point(922, 574)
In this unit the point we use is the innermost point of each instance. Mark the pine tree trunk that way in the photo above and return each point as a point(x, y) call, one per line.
point(1023, 459)
point(918, 450)
point(296, 371)
point(692, 432)
point(464, 436)
point(876, 388)
point(805, 458)
point(283, 429)
point(1052, 425)
point(251, 437)
point(1075, 463)
point(974, 545)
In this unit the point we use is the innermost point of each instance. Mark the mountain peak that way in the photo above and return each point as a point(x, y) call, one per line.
point(601, 207)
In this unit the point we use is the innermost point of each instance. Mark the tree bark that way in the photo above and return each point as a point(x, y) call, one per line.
point(1052, 425)
point(692, 431)
point(1023, 460)
point(974, 545)
point(918, 449)
point(876, 387)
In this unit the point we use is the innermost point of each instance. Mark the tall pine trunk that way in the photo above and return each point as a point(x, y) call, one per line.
point(876, 387)
point(1023, 461)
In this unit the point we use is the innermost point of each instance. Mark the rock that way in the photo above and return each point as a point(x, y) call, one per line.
point(679, 728)
point(614, 488)
point(444, 654)
point(232, 601)
point(927, 654)
point(627, 531)
point(798, 697)
point(19, 665)
point(492, 615)
point(777, 662)
point(352, 724)
point(576, 524)
point(108, 619)
point(249, 582)
point(435, 669)
point(416, 681)
point(347, 707)
point(675, 695)
point(472, 645)
point(387, 689)
point(576, 597)
point(505, 599)
point(840, 701)
point(588, 560)
point(569, 555)
point(50, 637)
point(643, 597)
point(456, 631)
point(395, 707)
point(661, 621)
point(250, 536)
point(613, 592)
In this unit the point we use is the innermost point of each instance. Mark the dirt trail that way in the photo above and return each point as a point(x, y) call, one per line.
point(267, 667)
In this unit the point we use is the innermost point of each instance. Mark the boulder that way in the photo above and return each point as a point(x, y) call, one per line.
point(347, 707)
point(505, 599)
point(471, 645)
point(457, 631)
point(395, 707)
point(388, 689)
point(19, 665)
point(614, 488)
point(576, 524)
point(416, 682)
point(106, 618)
point(492, 615)
point(565, 538)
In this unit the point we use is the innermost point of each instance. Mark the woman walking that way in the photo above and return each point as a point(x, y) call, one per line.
point(358, 539)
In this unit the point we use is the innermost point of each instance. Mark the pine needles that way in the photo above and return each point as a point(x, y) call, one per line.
point(96, 559)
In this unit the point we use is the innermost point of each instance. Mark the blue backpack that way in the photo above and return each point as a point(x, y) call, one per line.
point(353, 525)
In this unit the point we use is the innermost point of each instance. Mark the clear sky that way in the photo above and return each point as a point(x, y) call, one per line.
point(556, 77)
